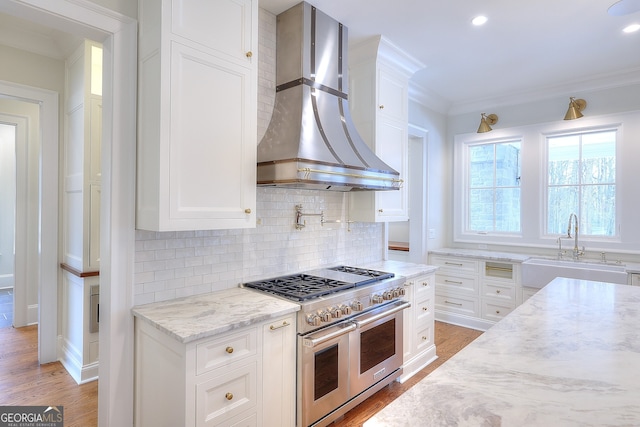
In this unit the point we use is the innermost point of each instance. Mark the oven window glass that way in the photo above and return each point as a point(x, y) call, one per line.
point(377, 345)
point(326, 371)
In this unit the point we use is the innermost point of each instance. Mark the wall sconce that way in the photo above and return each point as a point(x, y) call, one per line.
point(485, 121)
point(575, 108)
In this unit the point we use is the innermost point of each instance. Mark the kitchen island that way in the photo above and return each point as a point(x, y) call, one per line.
point(569, 356)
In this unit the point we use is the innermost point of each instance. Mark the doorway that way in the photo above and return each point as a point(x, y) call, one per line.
point(118, 36)
point(8, 145)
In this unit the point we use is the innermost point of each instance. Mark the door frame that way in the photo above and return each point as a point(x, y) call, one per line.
point(118, 35)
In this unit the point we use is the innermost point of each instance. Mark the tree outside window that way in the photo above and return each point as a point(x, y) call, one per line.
point(494, 187)
point(581, 179)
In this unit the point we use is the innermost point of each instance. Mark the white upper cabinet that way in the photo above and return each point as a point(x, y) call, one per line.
point(197, 109)
point(378, 97)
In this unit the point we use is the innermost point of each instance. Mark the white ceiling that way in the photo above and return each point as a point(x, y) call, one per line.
point(531, 49)
point(527, 48)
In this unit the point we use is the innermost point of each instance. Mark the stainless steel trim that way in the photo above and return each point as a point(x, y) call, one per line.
point(313, 342)
point(399, 306)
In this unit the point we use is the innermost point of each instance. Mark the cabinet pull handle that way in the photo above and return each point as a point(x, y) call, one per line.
point(229, 396)
point(381, 107)
point(497, 311)
point(497, 291)
point(380, 210)
point(247, 211)
point(452, 281)
point(284, 324)
point(229, 350)
point(424, 338)
point(425, 283)
point(453, 303)
point(453, 263)
point(425, 308)
point(249, 54)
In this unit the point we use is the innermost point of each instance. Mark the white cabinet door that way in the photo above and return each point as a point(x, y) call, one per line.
point(279, 372)
point(392, 145)
point(197, 115)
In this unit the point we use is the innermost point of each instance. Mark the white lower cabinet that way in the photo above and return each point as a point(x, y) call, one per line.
point(419, 343)
point(474, 292)
point(241, 378)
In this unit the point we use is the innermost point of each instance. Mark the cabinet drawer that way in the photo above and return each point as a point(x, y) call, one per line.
point(455, 264)
point(223, 350)
point(424, 337)
point(495, 310)
point(424, 286)
point(500, 291)
point(457, 283)
point(423, 311)
point(456, 304)
point(226, 395)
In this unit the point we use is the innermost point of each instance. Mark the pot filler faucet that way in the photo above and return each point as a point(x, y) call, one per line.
point(576, 252)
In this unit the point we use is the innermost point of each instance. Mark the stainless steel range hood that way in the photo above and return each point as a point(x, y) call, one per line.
point(311, 141)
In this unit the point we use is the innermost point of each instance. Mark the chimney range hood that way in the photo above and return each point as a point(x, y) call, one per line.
point(311, 141)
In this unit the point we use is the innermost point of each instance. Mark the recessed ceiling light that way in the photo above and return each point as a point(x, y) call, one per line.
point(631, 28)
point(479, 20)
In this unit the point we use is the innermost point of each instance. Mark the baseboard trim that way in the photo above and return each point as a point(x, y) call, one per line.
point(79, 372)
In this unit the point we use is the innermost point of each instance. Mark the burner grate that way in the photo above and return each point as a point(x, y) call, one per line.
point(374, 275)
point(300, 287)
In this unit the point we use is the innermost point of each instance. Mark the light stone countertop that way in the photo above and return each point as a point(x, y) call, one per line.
point(483, 254)
point(401, 268)
point(568, 356)
point(200, 316)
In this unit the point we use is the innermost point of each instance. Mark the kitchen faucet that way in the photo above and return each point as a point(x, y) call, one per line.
point(576, 252)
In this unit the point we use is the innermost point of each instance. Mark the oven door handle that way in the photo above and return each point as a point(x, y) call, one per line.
point(312, 342)
point(383, 314)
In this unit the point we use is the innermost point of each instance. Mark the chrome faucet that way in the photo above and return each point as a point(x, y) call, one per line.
point(576, 252)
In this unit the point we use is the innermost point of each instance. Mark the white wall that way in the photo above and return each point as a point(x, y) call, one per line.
point(171, 265)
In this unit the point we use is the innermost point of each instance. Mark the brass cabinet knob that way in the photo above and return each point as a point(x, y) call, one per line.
point(229, 350)
point(498, 291)
point(425, 308)
point(229, 396)
point(247, 211)
point(381, 107)
point(380, 210)
point(424, 338)
point(249, 54)
point(425, 283)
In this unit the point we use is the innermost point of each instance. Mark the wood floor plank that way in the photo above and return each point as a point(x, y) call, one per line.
point(23, 381)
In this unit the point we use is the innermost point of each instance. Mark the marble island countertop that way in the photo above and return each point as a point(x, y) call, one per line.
point(200, 316)
point(569, 356)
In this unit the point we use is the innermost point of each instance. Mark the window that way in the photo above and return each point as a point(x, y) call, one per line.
point(581, 179)
point(494, 187)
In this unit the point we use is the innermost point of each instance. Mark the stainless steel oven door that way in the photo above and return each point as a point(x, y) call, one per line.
point(376, 346)
point(323, 377)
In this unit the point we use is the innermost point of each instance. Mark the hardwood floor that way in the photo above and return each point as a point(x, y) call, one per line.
point(449, 340)
point(24, 382)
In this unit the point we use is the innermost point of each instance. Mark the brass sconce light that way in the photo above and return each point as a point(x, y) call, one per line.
point(575, 108)
point(485, 121)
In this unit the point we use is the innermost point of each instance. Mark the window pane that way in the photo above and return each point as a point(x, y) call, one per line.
point(564, 156)
point(508, 209)
point(481, 167)
point(599, 158)
point(598, 210)
point(508, 165)
point(481, 210)
point(562, 202)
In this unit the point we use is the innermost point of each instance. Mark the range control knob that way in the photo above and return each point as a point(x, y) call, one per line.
point(387, 296)
point(346, 310)
point(356, 306)
point(402, 291)
point(377, 299)
point(396, 293)
point(325, 316)
point(314, 320)
point(336, 313)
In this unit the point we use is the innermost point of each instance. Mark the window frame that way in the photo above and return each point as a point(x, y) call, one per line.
point(544, 213)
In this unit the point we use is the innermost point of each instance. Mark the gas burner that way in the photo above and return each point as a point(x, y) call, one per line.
point(300, 287)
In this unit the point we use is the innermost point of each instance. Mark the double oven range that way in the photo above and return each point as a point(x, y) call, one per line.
point(349, 336)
